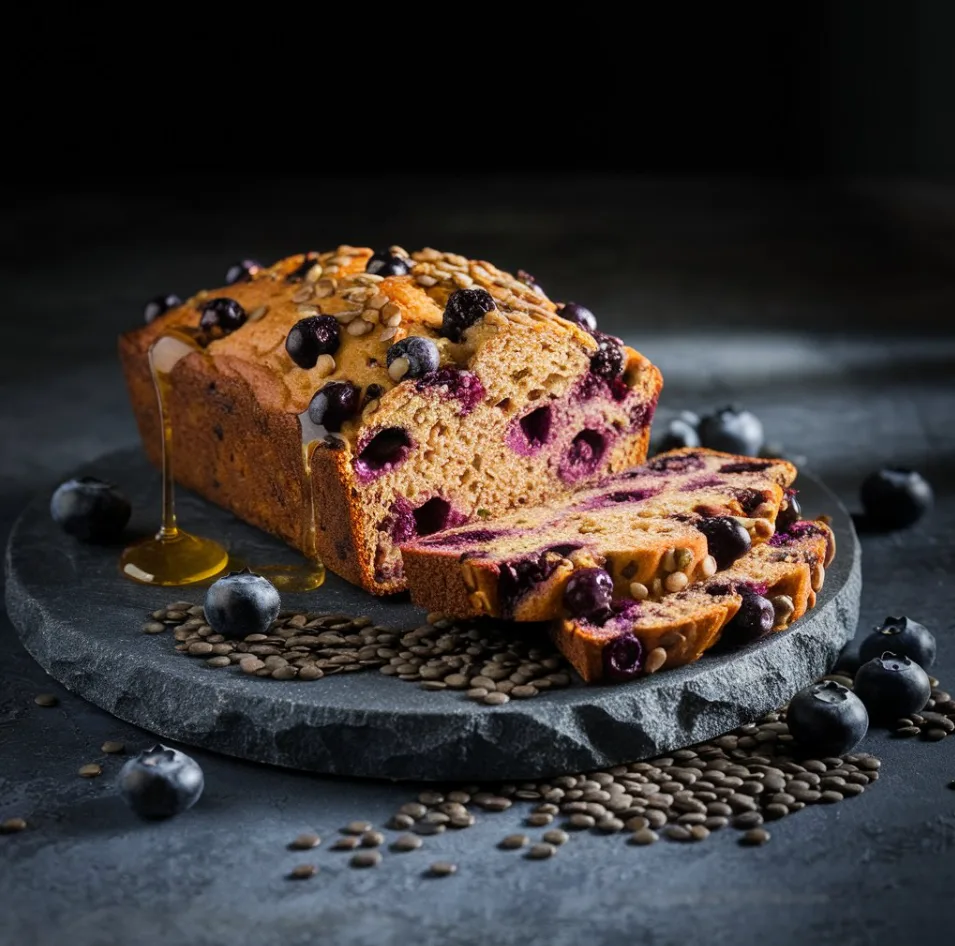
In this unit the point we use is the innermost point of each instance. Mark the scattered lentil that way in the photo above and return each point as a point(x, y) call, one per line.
point(558, 837)
point(406, 842)
point(513, 841)
point(90, 770)
point(442, 869)
point(305, 842)
point(755, 837)
point(490, 665)
point(365, 859)
point(12, 825)
point(303, 872)
point(46, 700)
point(540, 852)
point(347, 843)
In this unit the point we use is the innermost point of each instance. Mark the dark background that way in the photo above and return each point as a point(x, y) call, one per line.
point(759, 199)
point(838, 88)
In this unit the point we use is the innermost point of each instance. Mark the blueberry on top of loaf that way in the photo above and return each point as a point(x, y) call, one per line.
point(435, 385)
point(654, 529)
point(767, 589)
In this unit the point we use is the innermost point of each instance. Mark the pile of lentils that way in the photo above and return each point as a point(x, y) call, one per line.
point(487, 665)
point(742, 780)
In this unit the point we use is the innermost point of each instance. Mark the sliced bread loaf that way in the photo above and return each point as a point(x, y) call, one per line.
point(655, 529)
point(767, 589)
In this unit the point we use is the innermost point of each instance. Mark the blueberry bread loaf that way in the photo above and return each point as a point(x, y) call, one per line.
point(767, 589)
point(394, 394)
point(654, 530)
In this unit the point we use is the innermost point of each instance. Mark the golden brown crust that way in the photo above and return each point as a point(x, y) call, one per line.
point(585, 653)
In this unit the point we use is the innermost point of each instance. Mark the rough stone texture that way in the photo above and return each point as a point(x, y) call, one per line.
point(82, 621)
point(811, 305)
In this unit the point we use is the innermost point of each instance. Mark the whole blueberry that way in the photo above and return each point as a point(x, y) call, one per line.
point(681, 432)
point(90, 509)
point(384, 263)
point(525, 277)
point(574, 312)
point(160, 782)
point(607, 363)
point(894, 499)
point(372, 393)
point(753, 620)
point(412, 357)
point(240, 604)
point(312, 336)
point(588, 593)
point(465, 307)
point(160, 305)
point(222, 313)
point(242, 271)
point(732, 431)
point(623, 658)
point(788, 514)
point(726, 539)
point(901, 636)
point(892, 686)
point(335, 403)
point(309, 260)
point(827, 719)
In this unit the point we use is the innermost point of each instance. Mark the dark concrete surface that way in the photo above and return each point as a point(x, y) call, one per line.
point(827, 309)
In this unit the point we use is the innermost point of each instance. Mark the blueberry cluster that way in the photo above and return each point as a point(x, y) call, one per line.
point(728, 429)
point(891, 683)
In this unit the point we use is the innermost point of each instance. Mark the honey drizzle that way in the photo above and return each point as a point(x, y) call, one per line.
point(172, 556)
point(175, 557)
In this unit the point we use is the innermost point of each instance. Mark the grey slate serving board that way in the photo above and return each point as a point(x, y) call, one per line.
point(82, 622)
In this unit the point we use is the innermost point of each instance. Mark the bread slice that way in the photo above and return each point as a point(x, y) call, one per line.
point(648, 636)
point(647, 527)
point(524, 406)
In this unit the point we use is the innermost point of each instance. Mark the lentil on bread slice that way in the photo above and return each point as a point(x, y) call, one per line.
point(680, 628)
point(640, 525)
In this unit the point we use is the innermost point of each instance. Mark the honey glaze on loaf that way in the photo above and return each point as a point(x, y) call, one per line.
point(497, 402)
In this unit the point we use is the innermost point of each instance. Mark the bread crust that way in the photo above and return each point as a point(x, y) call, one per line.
point(234, 406)
point(796, 571)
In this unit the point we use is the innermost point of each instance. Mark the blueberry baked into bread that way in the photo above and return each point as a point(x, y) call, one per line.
point(394, 394)
point(652, 530)
point(767, 589)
